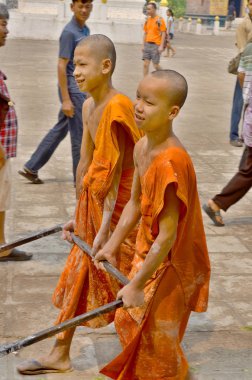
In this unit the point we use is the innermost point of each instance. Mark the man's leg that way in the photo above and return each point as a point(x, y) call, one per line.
point(236, 113)
point(239, 185)
point(156, 57)
point(48, 145)
point(76, 129)
point(146, 67)
point(236, 188)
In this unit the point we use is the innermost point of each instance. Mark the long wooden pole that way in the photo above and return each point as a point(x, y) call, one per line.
point(28, 239)
point(44, 334)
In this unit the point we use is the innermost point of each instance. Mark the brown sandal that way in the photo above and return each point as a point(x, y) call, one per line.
point(213, 214)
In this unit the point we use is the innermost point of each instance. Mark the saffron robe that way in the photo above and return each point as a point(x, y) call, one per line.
point(151, 334)
point(82, 287)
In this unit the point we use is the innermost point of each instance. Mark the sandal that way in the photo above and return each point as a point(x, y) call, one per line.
point(34, 178)
point(17, 255)
point(213, 214)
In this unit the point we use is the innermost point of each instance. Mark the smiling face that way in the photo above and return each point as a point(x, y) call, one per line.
point(88, 70)
point(153, 107)
point(81, 11)
point(3, 31)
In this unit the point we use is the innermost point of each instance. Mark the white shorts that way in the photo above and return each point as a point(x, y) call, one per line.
point(5, 186)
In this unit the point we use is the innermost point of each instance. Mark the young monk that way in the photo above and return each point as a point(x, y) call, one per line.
point(104, 180)
point(170, 272)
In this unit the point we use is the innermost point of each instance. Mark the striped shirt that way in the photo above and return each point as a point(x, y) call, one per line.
point(245, 67)
point(8, 128)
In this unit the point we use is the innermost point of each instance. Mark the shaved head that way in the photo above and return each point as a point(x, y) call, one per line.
point(177, 87)
point(101, 46)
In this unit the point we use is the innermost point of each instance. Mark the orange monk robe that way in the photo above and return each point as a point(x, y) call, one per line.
point(81, 286)
point(151, 334)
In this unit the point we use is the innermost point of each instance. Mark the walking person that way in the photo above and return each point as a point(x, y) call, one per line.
point(153, 39)
point(70, 114)
point(231, 15)
point(170, 33)
point(241, 182)
point(243, 34)
point(8, 147)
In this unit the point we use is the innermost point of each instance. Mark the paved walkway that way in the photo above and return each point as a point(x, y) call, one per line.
point(218, 343)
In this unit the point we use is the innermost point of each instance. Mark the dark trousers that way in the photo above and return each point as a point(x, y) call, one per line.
point(236, 112)
point(55, 135)
point(239, 185)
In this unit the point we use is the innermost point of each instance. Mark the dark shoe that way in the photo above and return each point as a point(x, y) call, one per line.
point(237, 143)
point(34, 178)
point(212, 215)
point(17, 255)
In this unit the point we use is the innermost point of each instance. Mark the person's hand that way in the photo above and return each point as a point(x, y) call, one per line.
point(106, 253)
point(160, 49)
point(131, 296)
point(99, 241)
point(67, 229)
point(68, 108)
point(2, 162)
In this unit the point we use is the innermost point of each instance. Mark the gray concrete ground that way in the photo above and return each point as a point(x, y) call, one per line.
point(218, 343)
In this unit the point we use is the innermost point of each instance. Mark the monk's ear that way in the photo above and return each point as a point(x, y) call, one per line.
point(106, 66)
point(174, 111)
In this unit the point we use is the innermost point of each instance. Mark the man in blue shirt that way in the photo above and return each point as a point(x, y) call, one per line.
point(70, 115)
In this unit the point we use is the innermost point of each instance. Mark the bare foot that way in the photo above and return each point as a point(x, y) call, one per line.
point(44, 365)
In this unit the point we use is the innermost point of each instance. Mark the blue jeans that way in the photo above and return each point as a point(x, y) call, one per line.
point(53, 138)
point(236, 112)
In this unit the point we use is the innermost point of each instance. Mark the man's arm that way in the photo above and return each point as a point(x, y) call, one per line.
point(128, 220)
point(241, 77)
point(2, 156)
point(241, 36)
point(161, 47)
point(132, 294)
point(144, 38)
point(87, 149)
point(67, 105)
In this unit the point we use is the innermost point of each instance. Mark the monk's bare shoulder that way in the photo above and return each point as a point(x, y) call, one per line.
point(87, 107)
point(138, 149)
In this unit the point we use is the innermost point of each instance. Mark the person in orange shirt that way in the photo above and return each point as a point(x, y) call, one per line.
point(171, 270)
point(153, 39)
point(104, 179)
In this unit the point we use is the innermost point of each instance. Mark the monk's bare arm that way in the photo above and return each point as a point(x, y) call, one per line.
point(128, 220)
point(110, 200)
point(132, 294)
point(87, 149)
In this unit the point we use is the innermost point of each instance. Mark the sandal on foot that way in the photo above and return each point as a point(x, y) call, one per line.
point(16, 255)
point(213, 214)
point(34, 178)
point(34, 367)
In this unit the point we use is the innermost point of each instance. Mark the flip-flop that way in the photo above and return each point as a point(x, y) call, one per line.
point(34, 178)
point(17, 255)
point(33, 367)
point(212, 215)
